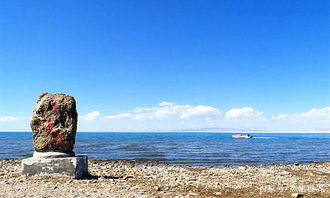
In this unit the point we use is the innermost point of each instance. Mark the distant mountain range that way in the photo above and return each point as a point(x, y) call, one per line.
point(215, 129)
point(244, 130)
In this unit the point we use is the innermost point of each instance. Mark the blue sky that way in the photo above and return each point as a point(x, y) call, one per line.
point(237, 64)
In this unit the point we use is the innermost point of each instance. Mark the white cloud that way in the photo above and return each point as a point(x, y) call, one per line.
point(200, 111)
point(166, 104)
point(140, 117)
point(243, 113)
point(163, 113)
point(166, 110)
point(141, 109)
point(323, 113)
point(313, 114)
point(91, 116)
point(171, 116)
point(168, 115)
point(312, 120)
point(281, 116)
point(119, 116)
point(9, 118)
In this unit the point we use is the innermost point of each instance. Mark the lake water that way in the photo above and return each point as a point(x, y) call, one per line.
point(198, 149)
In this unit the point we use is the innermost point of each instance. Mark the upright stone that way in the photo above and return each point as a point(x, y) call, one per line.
point(54, 126)
point(54, 123)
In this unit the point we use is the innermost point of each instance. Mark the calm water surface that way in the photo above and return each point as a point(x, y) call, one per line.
point(199, 149)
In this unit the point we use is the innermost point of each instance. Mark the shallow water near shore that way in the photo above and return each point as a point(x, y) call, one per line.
point(197, 149)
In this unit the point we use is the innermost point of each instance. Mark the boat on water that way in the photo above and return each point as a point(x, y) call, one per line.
point(242, 136)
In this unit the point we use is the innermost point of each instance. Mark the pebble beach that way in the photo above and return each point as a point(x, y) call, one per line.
point(129, 178)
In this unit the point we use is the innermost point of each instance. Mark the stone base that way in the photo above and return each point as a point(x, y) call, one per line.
point(75, 167)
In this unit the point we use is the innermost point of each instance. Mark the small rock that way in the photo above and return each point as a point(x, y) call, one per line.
point(297, 195)
point(242, 168)
point(68, 182)
point(128, 177)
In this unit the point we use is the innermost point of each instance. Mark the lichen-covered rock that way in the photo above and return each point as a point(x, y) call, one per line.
point(54, 123)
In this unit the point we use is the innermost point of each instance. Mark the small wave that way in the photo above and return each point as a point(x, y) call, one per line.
point(263, 137)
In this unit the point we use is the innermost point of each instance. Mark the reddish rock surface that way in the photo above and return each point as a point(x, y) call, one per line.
point(54, 123)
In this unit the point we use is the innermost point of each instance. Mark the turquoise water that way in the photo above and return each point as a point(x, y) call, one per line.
point(199, 149)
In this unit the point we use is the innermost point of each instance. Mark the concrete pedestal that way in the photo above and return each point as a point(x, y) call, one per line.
point(75, 166)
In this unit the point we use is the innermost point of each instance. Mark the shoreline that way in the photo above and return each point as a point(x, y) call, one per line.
point(162, 162)
point(149, 178)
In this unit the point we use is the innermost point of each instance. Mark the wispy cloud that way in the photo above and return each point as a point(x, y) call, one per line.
point(200, 111)
point(169, 115)
point(9, 118)
point(243, 113)
point(313, 114)
point(91, 116)
point(166, 110)
point(118, 116)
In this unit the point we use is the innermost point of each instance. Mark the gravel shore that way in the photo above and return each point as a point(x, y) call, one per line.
point(150, 179)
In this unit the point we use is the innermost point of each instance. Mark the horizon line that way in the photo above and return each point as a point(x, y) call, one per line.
point(174, 131)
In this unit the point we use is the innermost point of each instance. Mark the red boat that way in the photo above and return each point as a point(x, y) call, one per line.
point(242, 136)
